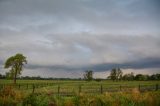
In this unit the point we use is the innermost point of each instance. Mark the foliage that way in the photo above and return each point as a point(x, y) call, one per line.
point(10, 97)
point(141, 77)
point(15, 63)
point(2, 76)
point(36, 100)
point(116, 74)
point(128, 77)
point(155, 77)
point(88, 75)
point(98, 79)
point(113, 74)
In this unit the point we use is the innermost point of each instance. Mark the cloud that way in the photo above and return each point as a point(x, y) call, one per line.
point(85, 51)
point(139, 64)
point(74, 15)
point(77, 35)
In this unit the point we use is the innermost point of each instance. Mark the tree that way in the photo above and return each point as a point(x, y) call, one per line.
point(2, 76)
point(116, 74)
point(88, 75)
point(113, 74)
point(15, 63)
point(129, 76)
point(158, 76)
point(141, 77)
point(119, 74)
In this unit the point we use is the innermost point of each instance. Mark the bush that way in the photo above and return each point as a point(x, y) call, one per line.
point(36, 100)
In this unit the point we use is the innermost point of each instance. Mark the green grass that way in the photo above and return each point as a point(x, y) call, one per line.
point(71, 82)
point(73, 86)
point(9, 97)
point(90, 94)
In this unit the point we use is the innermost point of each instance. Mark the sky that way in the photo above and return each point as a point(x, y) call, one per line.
point(63, 38)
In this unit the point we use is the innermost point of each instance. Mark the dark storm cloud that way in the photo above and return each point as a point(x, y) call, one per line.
point(139, 64)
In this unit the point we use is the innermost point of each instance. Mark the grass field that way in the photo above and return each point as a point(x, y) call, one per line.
point(70, 93)
point(70, 86)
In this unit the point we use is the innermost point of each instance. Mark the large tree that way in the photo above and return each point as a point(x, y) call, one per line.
point(15, 63)
point(88, 75)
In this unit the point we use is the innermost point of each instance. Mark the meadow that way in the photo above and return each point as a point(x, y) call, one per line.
point(79, 93)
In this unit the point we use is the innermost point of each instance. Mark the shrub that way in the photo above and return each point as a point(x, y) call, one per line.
point(36, 100)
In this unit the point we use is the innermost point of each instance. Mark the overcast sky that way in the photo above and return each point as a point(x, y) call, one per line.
point(63, 38)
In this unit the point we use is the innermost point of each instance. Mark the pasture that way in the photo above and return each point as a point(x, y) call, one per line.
point(74, 91)
point(77, 86)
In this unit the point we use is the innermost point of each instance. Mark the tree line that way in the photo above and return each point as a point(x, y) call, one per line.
point(37, 78)
point(116, 74)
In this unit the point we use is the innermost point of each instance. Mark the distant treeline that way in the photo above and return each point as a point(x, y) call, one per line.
point(116, 74)
point(49, 78)
point(125, 77)
point(140, 77)
point(38, 78)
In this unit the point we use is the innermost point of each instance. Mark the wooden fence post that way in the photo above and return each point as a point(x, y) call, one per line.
point(156, 87)
point(101, 89)
point(3, 86)
point(58, 89)
point(33, 88)
point(139, 87)
point(79, 89)
point(19, 86)
point(0, 86)
point(27, 86)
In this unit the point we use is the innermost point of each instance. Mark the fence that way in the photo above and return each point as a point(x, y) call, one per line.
point(72, 90)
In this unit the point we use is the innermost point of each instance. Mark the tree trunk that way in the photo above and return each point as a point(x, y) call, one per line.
point(15, 76)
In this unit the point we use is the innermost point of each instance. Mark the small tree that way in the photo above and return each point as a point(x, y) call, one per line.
point(113, 74)
point(88, 75)
point(116, 74)
point(15, 63)
point(119, 74)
